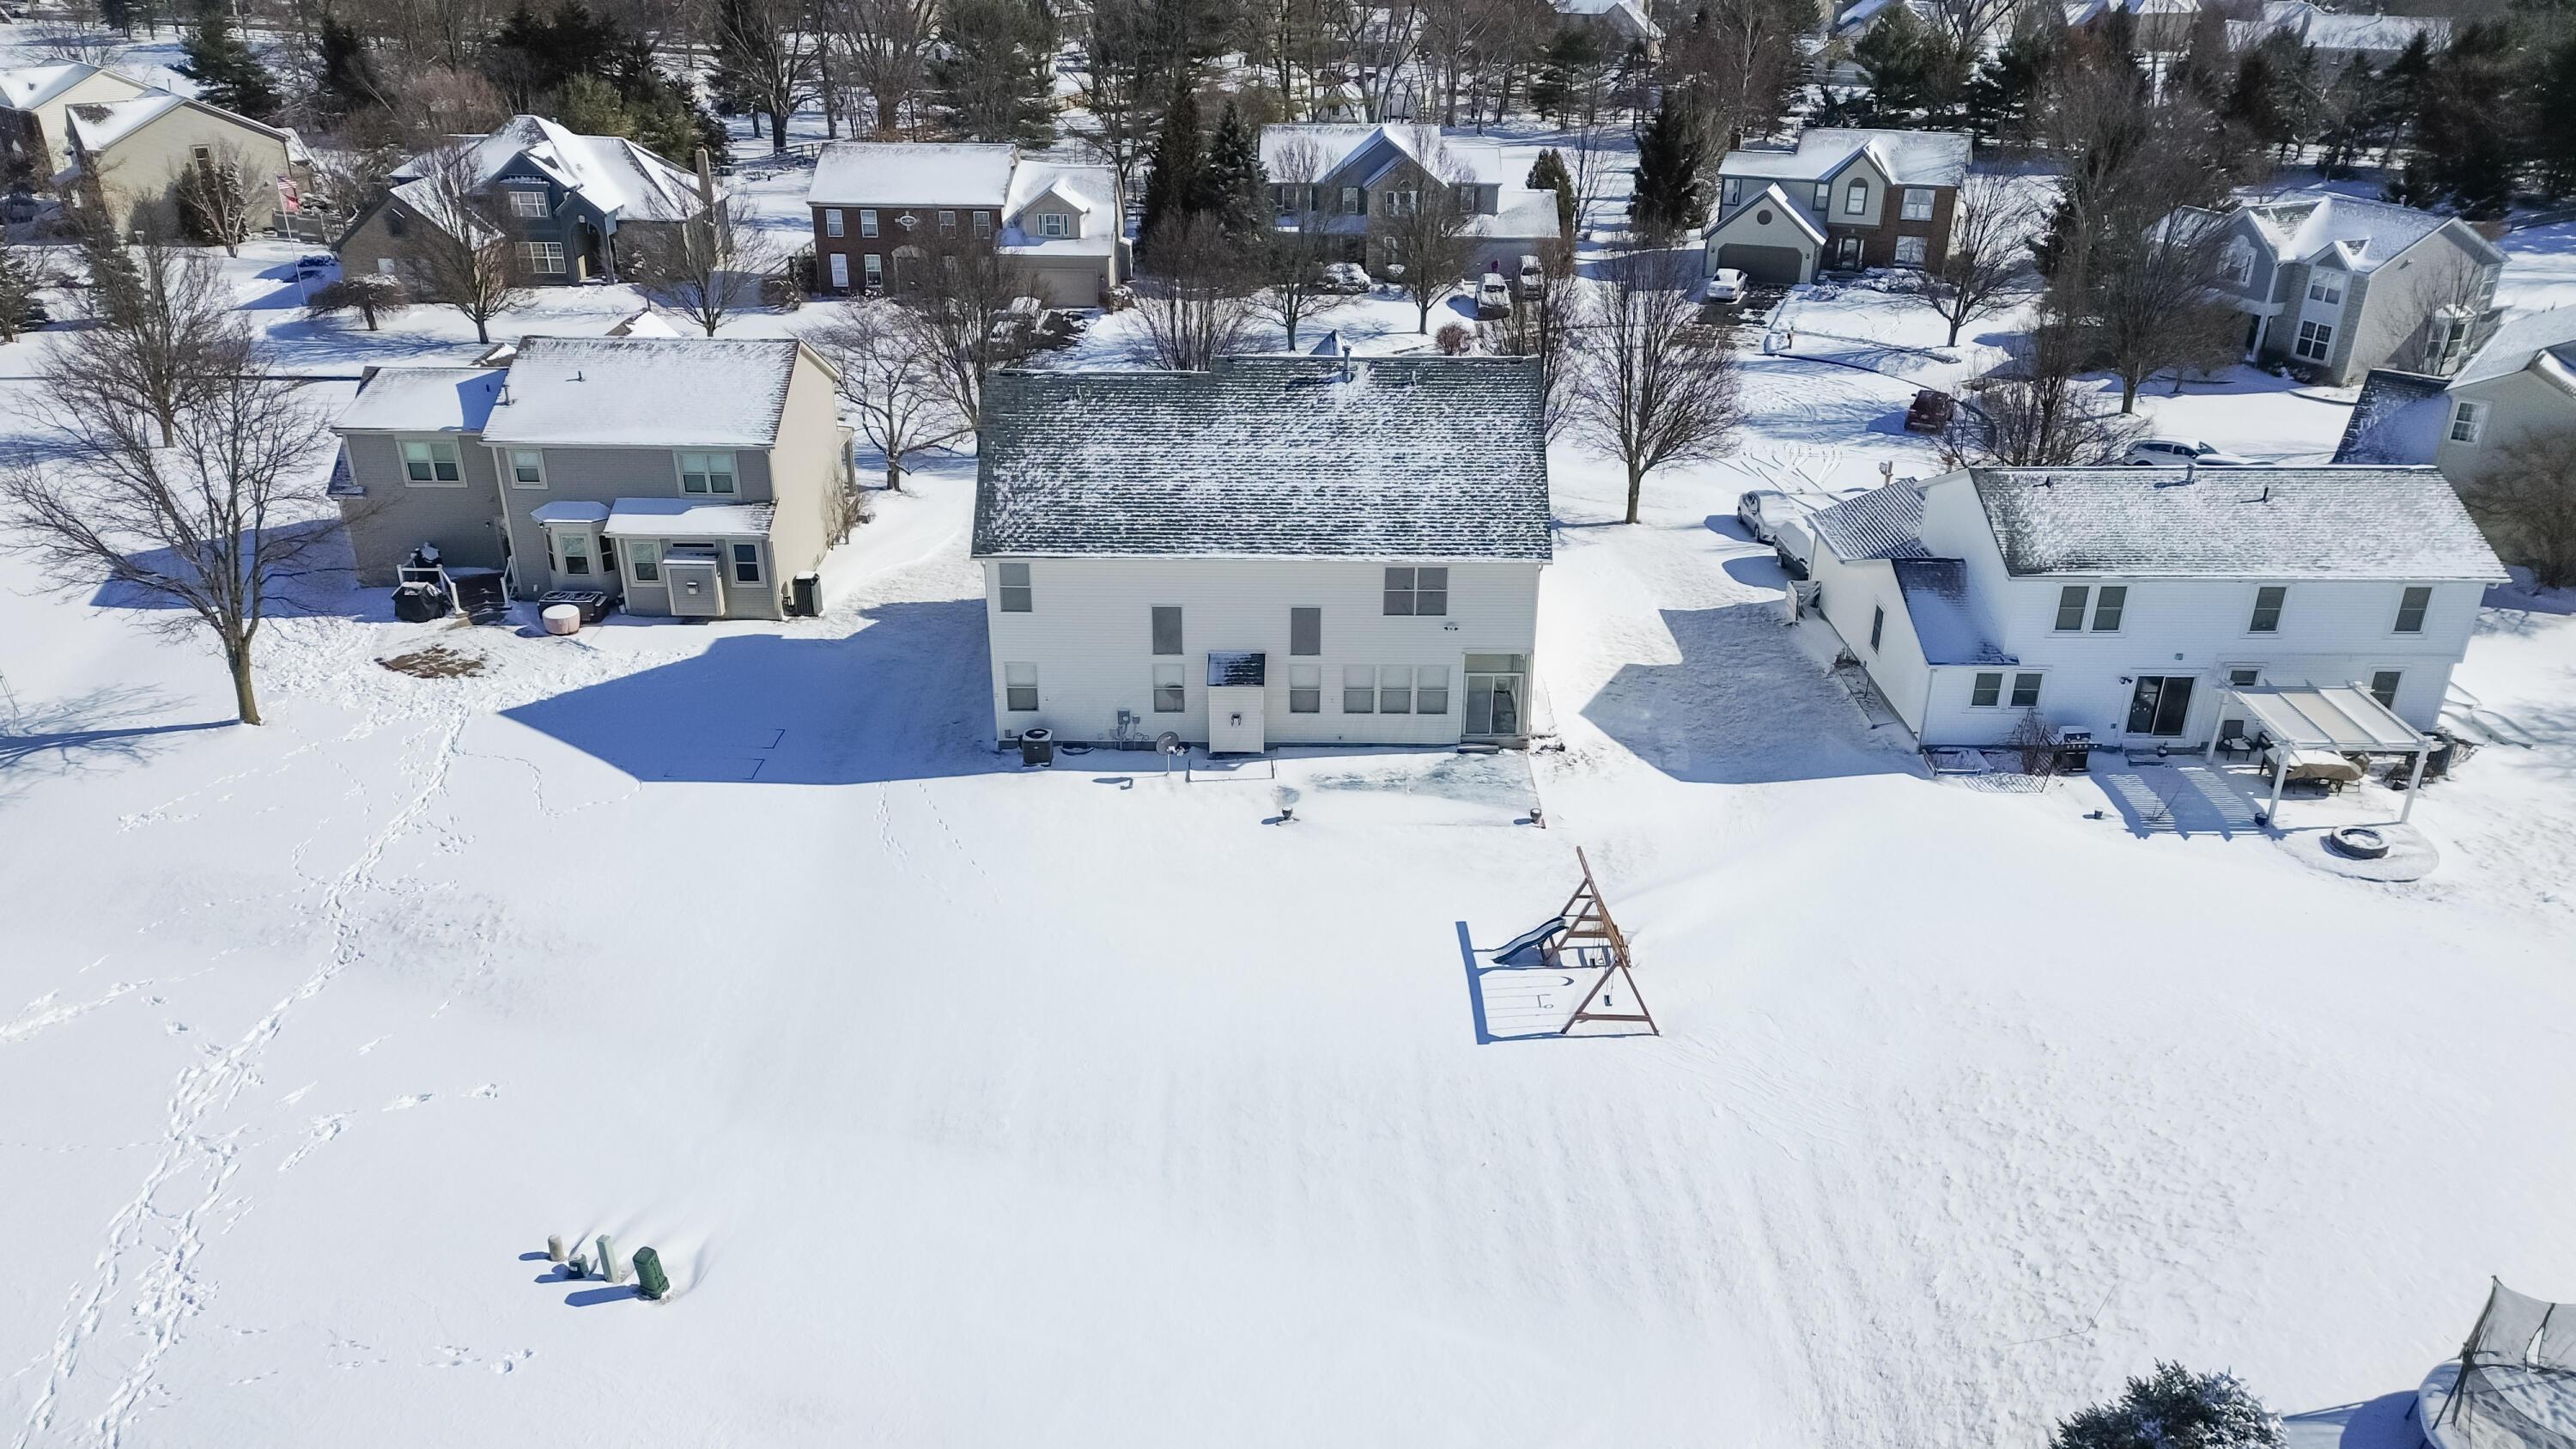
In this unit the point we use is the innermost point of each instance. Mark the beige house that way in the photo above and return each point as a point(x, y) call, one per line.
point(877, 204)
point(134, 151)
point(695, 477)
point(33, 103)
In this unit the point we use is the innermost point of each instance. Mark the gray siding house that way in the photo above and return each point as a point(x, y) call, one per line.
point(1351, 173)
point(685, 476)
point(2340, 285)
point(577, 204)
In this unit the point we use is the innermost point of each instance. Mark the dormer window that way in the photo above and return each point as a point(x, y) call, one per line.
point(1055, 224)
point(527, 201)
point(2326, 289)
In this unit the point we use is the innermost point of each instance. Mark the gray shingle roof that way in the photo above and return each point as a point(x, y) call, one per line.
point(1885, 522)
point(2257, 523)
point(653, 392)
point(2397, 419)
point(1300, 457)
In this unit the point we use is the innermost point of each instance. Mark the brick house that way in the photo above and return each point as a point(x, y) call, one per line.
point(1840, 200)
point(875, 202)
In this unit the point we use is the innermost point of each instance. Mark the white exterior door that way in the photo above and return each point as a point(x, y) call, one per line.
point(1235, 725)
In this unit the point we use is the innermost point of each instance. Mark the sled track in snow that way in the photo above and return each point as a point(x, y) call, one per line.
point(199, 1165)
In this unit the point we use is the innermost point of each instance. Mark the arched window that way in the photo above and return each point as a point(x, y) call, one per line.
point(1856, 197)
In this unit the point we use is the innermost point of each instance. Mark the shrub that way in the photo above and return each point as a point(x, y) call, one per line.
point(2174, 1408)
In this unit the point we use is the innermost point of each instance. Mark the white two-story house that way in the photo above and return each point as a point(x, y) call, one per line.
point(687, 476)
point(2122, 600)
point(1282, 550)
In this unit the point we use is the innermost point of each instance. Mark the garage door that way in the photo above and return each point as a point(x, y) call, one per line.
point(1779, 266)
point(1068, 286)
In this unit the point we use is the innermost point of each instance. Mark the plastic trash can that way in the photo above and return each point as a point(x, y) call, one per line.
point(1037, 746)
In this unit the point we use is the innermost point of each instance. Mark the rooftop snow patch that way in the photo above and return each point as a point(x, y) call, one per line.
point(1910, 158)
point(2519, 341)
point(2397, 419)
point(651, 392)
point(2361, 235)
point(1299, 457)
point(1471, 158)
point(31, 86)
point(611, 173)
point(2251, 523)
point(423, 400)
point(688, 518)
point(1936, 599)
point(1885, 522)
point(912, 173)
point(100, 125)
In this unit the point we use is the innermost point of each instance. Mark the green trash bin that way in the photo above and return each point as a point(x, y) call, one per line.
point(649, 1279)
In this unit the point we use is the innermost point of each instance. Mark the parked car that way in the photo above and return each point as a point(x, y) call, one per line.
point(316, 262)
point(1726, 287)
point(1493, 296)
point(1761, 511)
point(34, 317)
point(1533, 277)
point(2176, 452)
point(1930, 411)
point(1018, 322)
point(1349, 278)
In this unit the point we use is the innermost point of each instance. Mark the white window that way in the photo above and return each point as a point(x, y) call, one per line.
point(875, 267)
point(2236, 263)
point(1431, 689)
point(2025, 693)
point(983, 223)
point(1417, 591)
point(1351, 202)
point(1170, 693)
point(1019, 687)
point(832, 221)
point(385, 265)
point(1395, 690)
point(1054, 223)
point(2328, 290)
point(1911, 250)
point(1306, 631)
point(2383, 686)
point(546, 259)
point(1918, 203)
point(1856, 197)
point(2316, 340)
point(527, 468)
point(2070, 607)
point(2467, 421)
point(1359, 689)
point(1305, 688)
point(527, 201)
point(1985, 690)
point(840, 271)
point(431, 461)
point(2267, 609)
point(948, 221)
point(1824, 196)
point(1466, 198)
point(2412, 604)
point(746, 563)
point(644, 561)
point(572, 553)
point(867, 221)
point(1734, 191)
point(710, 473)
point(1167, 628)
point(1017, 597)
point(2245, 676)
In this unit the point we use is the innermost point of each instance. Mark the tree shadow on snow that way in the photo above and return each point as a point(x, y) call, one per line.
point(904, 698)
point(1745, 705)
point(106, 728)
point(319, 585)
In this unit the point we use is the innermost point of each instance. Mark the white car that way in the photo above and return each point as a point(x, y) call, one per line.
point(2176, 453)
point(1761, 511)
point(1533, 277)
point(1348, 278)
point(1726, 286)
point(1493, 296)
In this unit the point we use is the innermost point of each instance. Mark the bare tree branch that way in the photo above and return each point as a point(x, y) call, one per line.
point(1655, 387)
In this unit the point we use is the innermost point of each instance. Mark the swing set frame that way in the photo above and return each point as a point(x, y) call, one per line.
point(1589, 928)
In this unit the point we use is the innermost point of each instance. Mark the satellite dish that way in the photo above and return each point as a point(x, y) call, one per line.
point(1169, 742)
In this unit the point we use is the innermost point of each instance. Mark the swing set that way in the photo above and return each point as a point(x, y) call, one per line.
point(1582, 937)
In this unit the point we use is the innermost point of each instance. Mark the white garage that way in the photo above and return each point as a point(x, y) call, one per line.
point(1767, 239)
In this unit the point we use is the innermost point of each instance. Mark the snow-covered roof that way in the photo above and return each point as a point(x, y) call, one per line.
point(1771, 196)
point(1632, 15)
point(1885, 522)
point(687, 517)
point(98, 125)
point(2397, 419)
point(912, 173)
point(564, 510)
point(2520, 341)
point(1336, 144)
point(1302, 457)
point(30, 86)
point(611, 173)
point(1910, 158)
point(2375, 34)
point(1091, 190)
point(1936, 599)
point(423, 400)
point(2356, 235)
point(676, 392)
point(2251, 523)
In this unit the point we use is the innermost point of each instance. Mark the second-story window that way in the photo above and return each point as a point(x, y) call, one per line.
point(947, 222)
point(2411, 608)
point(832, 221)
point(2109, 608)
point(1399, 203)
point(2328, 290)
point(1856, 198)
point(527, 468)
point(1417, 591)
point(431, 460)
point(1017, 596)
point(527, 201)
point(1466, 198)
point(1351, 202)
point(2267, 609)
point(983, 223)
point(867, 221)
point(709, 473)
point(1054, 223)
point(1918, 203)
point(1824, 196)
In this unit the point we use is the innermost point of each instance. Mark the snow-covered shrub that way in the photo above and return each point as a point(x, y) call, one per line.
point(1454, 340)
point(2174, 1408)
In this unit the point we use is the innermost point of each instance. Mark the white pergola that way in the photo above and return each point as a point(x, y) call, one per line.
point(2345, 719)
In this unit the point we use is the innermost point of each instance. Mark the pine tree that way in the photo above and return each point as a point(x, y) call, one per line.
point(993, 77)
point(1234, 187)
point(2000, 96)
point(1570, 74)
point(2467, 135)
point(227, 72)
point(347, 82)
point(1672, 164)
point(1550, 175)
point(2551, 140)
point(1172, 182)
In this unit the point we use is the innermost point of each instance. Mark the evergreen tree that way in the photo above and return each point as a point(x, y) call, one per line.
point(1571, 74)
point(2467, 137)
point(532, 55)
point(227, 72)
point(1672, 170)
point(2000, 95)
point(1234, 187)
point(1550, 174)
point(2551, 141)
point(2174, 1409)
point(2399, 106)
point(347, 82)
point(2344, 130)
point(667, 117)
point(1173, 181)
point(993, 76)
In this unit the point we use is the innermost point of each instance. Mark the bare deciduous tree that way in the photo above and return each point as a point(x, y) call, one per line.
point(2158, 304)
point(1424, 230)
point(165, 322)
point(372, 295)
point(2033, 747)
point(2039, 413)
point(767, 47)
point(202, 523)
point(1988, 266)
point(887, 383)
point(24, 275)
point(956, 292)
point(709, 267)
point(1653, 386)
point(2526, 501)
point(1195, 306)
point(887, 44)
point(1295, 252)
point(463, 252)
point(1543, 327)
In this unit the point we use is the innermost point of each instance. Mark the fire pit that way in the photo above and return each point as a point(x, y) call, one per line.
point(2359, 842)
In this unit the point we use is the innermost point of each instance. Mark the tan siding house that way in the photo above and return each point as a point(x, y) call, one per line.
point(34, 101)
point(133, 152)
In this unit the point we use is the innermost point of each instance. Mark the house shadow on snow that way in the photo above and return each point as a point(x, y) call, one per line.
point(904, 698)
point(1744, 705)
point(2389, 1421)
